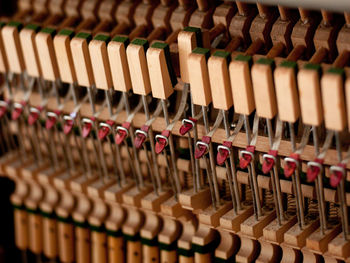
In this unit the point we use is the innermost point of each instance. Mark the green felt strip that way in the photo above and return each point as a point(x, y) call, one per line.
point(185, 252)
point(99, 229)
point(132, 238)
point(84, 35)
point(149, 242)
point(103, 38)
point(168, 247)
point(202, 51)
point(223, 54)
point(337, 71)
point(266, 61)
point(122, 39)
point(198, 33)
point(206, 248)
point(33, 27)
point(66, 32)
point(17, 24)
point(49, 30)
point(141, 42)
point(244, 58)
point(113, 233)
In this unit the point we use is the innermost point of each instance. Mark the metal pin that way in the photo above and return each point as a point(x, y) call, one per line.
point(211, 156)
point(341, 191)
point(275, 179)
point(172, 148)
point(197, 180)
point(91, 94)
point(153, 153)
point(252, 173)
point(84, 150)
point(137, 173)
point(319, 185)
point(231, 172)
point(296, 182)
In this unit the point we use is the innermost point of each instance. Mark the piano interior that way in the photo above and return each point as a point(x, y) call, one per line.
point(164, 131)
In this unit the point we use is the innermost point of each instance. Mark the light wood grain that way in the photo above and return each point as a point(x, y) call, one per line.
point(264, 91)
point(119, 66)
point(141, 84)
point(47, 57)
point(66, 241)
point(64, 58)
point(287, 94)
point(100, 65)
point(220, 83)
point(13, 49)
point(347, 100)
point(82, 62)
point(3, 57)
point(242, 88)
point(310, 97)
point(98, 247)
point(186, 43)
point(334, 111)
point(199, 79)
point(159, 75)
point(30, 53)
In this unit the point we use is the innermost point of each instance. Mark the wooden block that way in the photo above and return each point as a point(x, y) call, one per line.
point(232, 222)
point(161, 72)
point(241, 85)
point(10, 35)
point(99, 212)
point(339, 247)
point(82, 208)
point(152, 201)
point(254, 228)
point(97, 188)
point(332, 86)
point(263, 86)
point(119, 63)
point(347, 99)
point(3, 58)
point(29, 48)
point(80, 183)
point(204, 235)
point(116, 217)
point(100, 65)
point(114, 193)
point(228, 246)
point(220, 80)
point(133, 223)
point(211, 216)
point(193, 201)
point(268, 252)
point(46, 53)
point(310, 95)
point(296, 237)
point(134, 196)
point(187, 40)
point(274, 232)
point(318, 242)
point(199, 76)
point(248, 251)
point(81, 59)
point(136, 54)
point(173, 208)
point(64, 57)
point(170, 231)
point(287, 92)
point(152, 226)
